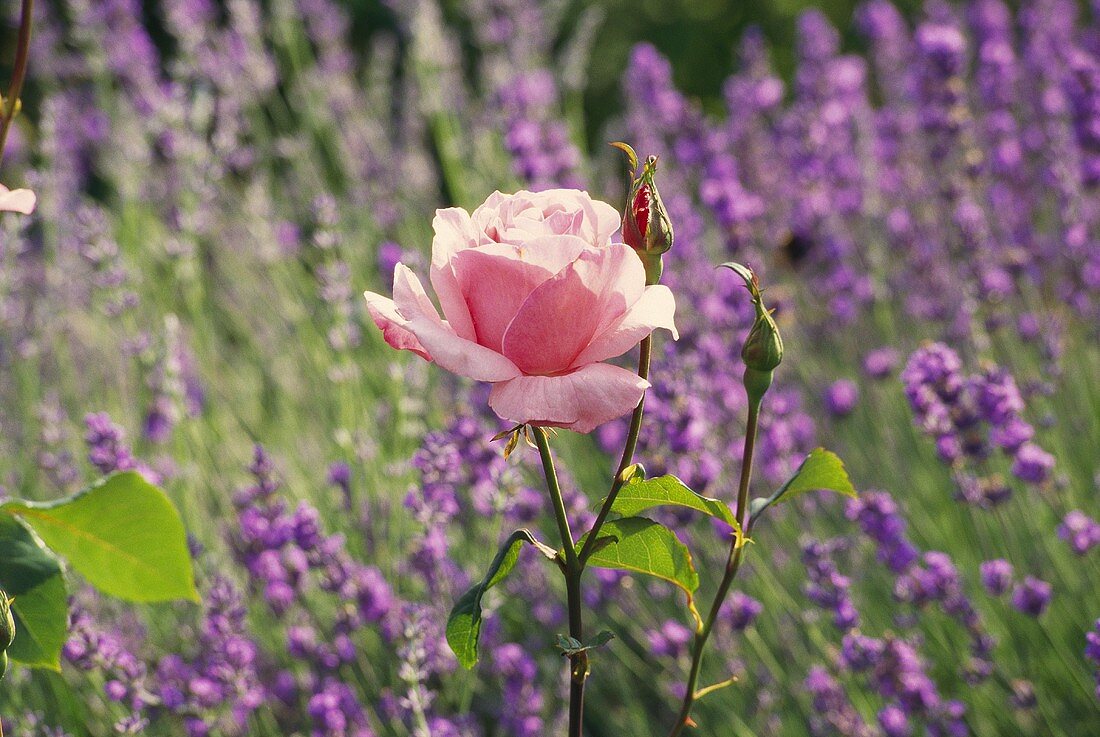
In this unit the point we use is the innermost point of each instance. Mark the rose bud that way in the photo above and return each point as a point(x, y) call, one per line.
point(646, 225)
point(763, 349)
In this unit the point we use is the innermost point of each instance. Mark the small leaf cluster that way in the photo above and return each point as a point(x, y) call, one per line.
point(637, 544)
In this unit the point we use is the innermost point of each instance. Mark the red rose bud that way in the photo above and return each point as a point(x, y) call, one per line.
point(646, 225)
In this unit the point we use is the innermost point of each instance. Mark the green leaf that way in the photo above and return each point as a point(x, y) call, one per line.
point(41, 624)
point(464, 623)
point(122, 534)
point(638, 495)
point(32, 576)
point(644, 546)
point(822, 470)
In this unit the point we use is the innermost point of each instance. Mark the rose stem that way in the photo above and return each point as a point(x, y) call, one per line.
point(644, 356)
point(578, 662)
point(19, 73)
point(733, 563)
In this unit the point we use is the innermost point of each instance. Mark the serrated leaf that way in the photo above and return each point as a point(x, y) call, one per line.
point(822, 470)
point(32, 576)
point(639, 495)
point(644, 546)
point(122, 534)
point(464, 622)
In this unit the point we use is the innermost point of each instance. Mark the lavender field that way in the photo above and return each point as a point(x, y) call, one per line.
point(219, 181)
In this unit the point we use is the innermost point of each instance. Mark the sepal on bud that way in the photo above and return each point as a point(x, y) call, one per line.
point(646, 226)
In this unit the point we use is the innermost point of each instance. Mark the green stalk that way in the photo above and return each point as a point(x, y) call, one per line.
point(19, 73)
point(578, 662)
point(733, 564)
point(644, 357)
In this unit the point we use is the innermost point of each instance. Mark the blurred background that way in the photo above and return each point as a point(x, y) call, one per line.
point(220, 180)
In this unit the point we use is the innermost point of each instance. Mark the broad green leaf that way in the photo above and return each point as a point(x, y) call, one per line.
point(32, 576)
point(464, 623)
point(822, 470)
point(41, 624)
point(644, 546)
point(122, 534)
point(638, 495)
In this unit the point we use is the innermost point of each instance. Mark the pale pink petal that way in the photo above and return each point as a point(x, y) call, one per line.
point(409, 295)
point(392, 324)
point(461, 356)
point(607, 221)
point(581, 400)
point(409, 302)
point(22, 201)
point(454, 232)
point(496, 279)
point(561, 316)
point(656, 309)
point(599, 220)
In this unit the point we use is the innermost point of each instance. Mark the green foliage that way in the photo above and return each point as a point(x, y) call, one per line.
point(822, 470)
point(644, 546)
point(39, 607)
point(639, 494)
point(464, 623)
point(122, 534)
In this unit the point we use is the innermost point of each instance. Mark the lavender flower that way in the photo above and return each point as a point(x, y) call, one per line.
point(996, 576)
point(1081, 532)
point(1032, 596)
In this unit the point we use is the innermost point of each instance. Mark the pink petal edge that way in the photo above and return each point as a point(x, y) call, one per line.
point(580, 401)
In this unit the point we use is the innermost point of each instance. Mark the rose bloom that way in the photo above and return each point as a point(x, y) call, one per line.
point(17, 200)
point(536, 297)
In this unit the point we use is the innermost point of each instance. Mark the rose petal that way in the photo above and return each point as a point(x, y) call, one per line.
point(600, 219)
point(581, 400)
point(562, 315)
point(22, 201)
point(461, 356)
point(409, 302)
point(656, 309)
point(454, 232)
point(496, 279)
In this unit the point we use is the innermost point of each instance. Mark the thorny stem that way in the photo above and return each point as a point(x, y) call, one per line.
point(578, 662)
point(19, 73)
point(733, 564)
point(644, 356)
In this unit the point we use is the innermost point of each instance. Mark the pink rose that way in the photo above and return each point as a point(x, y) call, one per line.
point(17, 200)
point(535, 297)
